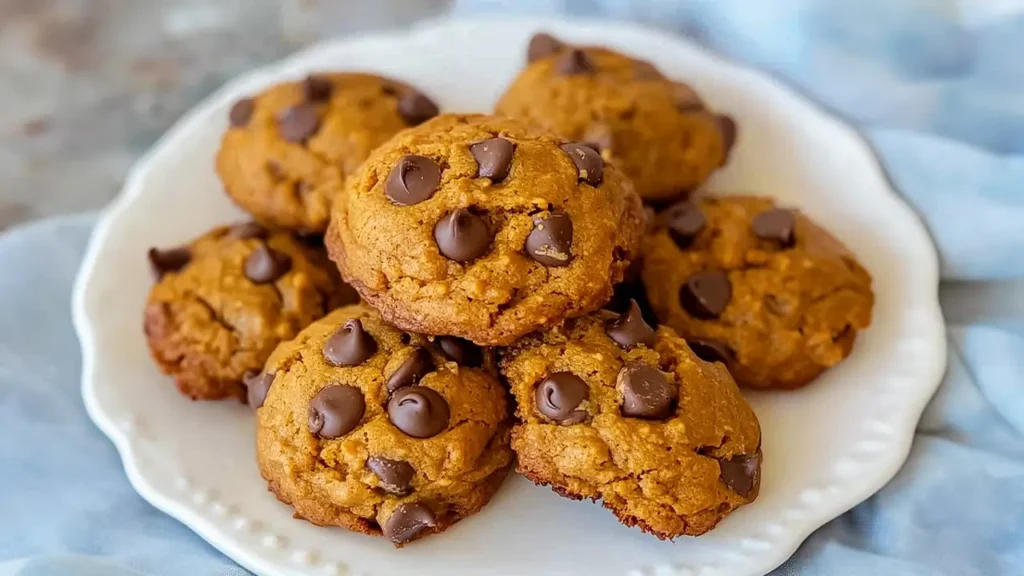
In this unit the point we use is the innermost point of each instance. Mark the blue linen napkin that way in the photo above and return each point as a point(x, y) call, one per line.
point(938, 88)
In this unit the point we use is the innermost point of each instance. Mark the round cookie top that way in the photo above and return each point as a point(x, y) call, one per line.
point(659, 132)
point(484, 228)
point(287, 150)
point(381, 431)
point(764, 289)
point(223, 302)
point(615, 410)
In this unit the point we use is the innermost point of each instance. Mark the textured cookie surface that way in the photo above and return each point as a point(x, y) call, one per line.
point(380, 431)
point(764, 289)
point(612, 410)
point(223, 302)
point(659, 132)
point(288, 150)
point(484, 228)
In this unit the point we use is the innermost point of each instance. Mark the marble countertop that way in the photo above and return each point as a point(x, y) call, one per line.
point(88, 85)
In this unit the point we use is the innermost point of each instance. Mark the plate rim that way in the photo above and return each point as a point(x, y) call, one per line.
point(887, 465)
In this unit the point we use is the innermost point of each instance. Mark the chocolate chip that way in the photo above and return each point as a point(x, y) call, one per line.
point(575, 61)
point(706, 294)
point(599, 137)
point(551, 240)
point(741, 473)
point(413, 180)
point(170, 260)
point(395, 475)
point(589, 164)
point(709, 351)
point(629, 329)
point(462, 236)
point(250, 230)
point(646, 392)
point(542, 45)
point(777, 225)
point(416, 366)
point(415, 108)
point(266, 264)
point(257, 385)
point(317, 88)
point(461, 351)
point(684, 221)
point(418, 411)
point(494, 157)
point(298, 123)
point(351, 345)
point(728, 127)
point(407, 521)
point(241, 113)
point(559, 395)
point(335, 411)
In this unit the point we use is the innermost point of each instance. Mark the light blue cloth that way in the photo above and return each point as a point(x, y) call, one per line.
point(938, 88)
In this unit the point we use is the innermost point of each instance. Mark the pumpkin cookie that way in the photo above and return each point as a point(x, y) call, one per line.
point(484, 228)
point(659, 132)
point(223, 302)
point(763, 289)
point(611, 409)
point(288, 150)
point(380, 431)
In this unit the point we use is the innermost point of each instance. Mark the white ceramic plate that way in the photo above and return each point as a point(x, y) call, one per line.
point(827, 447)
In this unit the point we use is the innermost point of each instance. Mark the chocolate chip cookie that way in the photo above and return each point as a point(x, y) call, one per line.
point(381, 431)
point(659, 132)
point(484, 228)
point(223, 302)
point(611, 409)
point(761, 288)
point(288, 149)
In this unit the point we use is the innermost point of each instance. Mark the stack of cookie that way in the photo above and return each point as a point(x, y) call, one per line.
point(495, 287)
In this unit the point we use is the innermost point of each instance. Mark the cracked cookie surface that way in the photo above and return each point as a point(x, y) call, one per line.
point(659, 132)
point(224, 301)
point(764, 289)
point(381, 431)
point(484, 228)
point(610, 409)
point(288, 149)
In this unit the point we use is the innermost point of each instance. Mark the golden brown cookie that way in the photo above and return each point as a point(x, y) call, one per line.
point(288, 150)
point(611, 409)
point(380, 431)
point(484, 228)
point(223, 302)
point(657, 131)
point(764, 289)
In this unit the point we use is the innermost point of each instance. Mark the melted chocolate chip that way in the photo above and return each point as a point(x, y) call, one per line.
point(317, 88)
point(415, 108)
point(709, 351)
point(250, 230)
point(462, 236)
point(461, 351)
point(629, 329)
point(706, 294)
point(395, 475)
point(418, 411)
point(416, 366)
point(728, 127)
point(550, 242)
point(646, 392)
point(335, 411)
point(408, 521)
point(494, 158)
point(542, 45)
point(257, 385)
point(351, 345)
point(170, 260)
point(575, 61)
point(589, 164)
point(684, 221)
point(776, 225)
point(266, 265)
point(298, 123)
point(741, 473)
point(559, 395)
point(413, 180)
point(241, 113)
